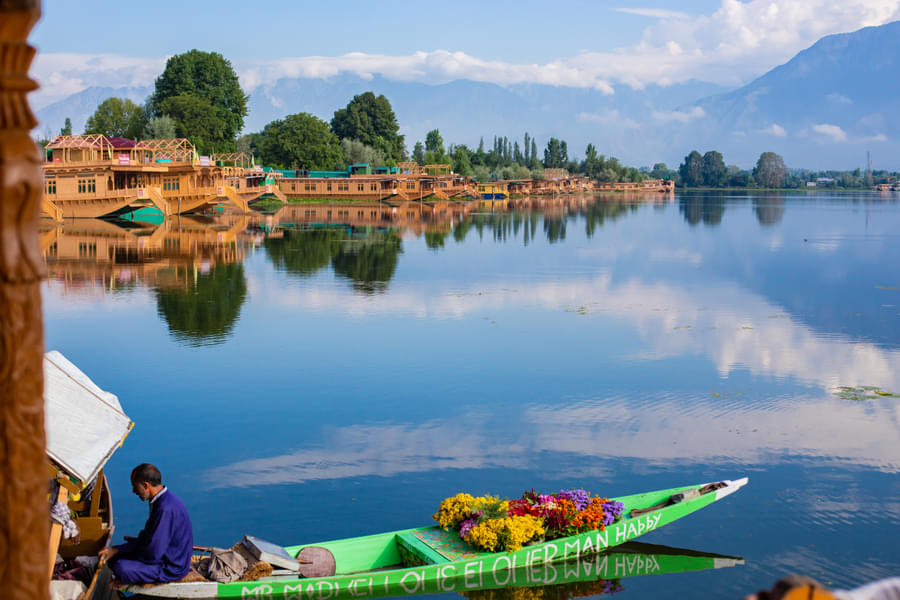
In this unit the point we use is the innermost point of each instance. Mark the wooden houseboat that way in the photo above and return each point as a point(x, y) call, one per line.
point(648, 185)
point(358, 182)
point(95, 176)
point(100, 256)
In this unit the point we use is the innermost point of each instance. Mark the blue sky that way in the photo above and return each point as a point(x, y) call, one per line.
point(524, 31)
point(582, 43)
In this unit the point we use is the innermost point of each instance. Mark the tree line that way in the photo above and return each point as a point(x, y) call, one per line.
point(198, 97)
point(709, 170)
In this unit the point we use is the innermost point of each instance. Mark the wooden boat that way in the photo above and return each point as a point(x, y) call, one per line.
point(85, 425)
point(432, 560)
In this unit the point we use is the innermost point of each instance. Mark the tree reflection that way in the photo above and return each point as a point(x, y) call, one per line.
point(370, 262)
point(304, 252)
point(706, 208)
point(204, 313)
point(769, 210)
point(597, 213)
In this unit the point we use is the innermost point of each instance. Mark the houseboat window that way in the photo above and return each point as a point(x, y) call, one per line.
point(410, 185)
point(87, 186)
point(328, 187)
point(293, 188)
point(51, 186)
point(87, 249)
point(373, 187)
point(360, 187)
point(359, 213)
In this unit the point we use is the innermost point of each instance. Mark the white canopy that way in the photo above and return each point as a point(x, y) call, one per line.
point(84, 424)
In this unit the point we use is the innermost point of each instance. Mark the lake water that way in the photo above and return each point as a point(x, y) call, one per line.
point(301, 378)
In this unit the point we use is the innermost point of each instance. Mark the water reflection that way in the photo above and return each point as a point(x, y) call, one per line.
point(367, 257)
point(707, 208)
point(205, 310)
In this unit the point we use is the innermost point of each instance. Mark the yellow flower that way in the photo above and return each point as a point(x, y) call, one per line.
point(508, 533)
point(454, 510)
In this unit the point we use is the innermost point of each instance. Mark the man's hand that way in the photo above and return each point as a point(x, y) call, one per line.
point(107, 553)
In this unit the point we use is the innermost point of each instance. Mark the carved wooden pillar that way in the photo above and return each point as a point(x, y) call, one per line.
point(24, 519)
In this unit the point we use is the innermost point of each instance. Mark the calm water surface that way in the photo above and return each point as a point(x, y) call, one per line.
point(302, 382)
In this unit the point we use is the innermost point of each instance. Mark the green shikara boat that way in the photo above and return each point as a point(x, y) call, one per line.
point(429, 560)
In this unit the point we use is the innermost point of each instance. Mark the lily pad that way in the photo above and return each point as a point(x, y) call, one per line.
point(861, 392)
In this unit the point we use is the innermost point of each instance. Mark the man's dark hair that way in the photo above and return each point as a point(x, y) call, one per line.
point(146, 472)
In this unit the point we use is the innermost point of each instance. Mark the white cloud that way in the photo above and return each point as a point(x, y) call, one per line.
point(657, 13)
point(667, 116)
point(62, 74)
point(833, 131)
point(775, 129)
point(738, 41)
point(838, 98)
point(610, 117)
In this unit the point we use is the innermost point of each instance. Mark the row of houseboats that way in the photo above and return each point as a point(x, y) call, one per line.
point(95, 176)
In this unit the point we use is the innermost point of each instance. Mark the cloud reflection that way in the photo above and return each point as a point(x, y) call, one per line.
point(734, 329)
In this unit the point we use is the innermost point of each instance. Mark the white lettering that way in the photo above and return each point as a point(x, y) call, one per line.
point(354, 584)
point(573, 572)
point(620, 566)
point(296, 589)
point(258, 591)
point(469, 572)
point(443, 576)
point(641, 525)
point(574, 546)
point(632, 530)
point(416, 585)
point(621, 533)
point(587, 544)
point(602, 536)
point(549, 573)
point(507, 570)
point(322, 587)
point(601, 566)
point(548, 556)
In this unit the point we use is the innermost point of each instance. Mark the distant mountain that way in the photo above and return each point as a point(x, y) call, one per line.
point(464, 111)
point(82, 105)
point(822, 109)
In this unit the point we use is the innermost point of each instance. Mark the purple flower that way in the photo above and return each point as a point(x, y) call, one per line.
point(466, 526)
point(580, 498)
point(612, 511)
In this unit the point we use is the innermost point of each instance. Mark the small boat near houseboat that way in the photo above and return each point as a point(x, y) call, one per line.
point(434, 560)
point(85, 425)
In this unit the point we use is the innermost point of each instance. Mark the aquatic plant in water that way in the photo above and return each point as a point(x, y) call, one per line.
point(862, 392)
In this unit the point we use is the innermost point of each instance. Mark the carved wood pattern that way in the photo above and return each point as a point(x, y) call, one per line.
point(24, 520)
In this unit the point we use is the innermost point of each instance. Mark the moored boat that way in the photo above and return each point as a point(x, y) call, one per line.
point(433, 560)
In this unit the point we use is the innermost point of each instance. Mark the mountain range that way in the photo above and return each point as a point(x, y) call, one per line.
point(825, 108)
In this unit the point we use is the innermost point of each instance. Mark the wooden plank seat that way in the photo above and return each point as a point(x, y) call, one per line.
point(433, 545)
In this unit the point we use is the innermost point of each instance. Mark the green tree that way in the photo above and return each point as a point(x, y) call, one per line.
point(714, 173)
point(770, 170)
point(208, 77)
point(250, 143)
point(160, 128)
point(205, 313)
point(556, 155)
point(461, 163)
point(535, 161)
point(117, 117)
point(419, 153)
point(691, 170)
point(301, 141)
point(67, 128)
point(195, 119)
point(371, 120)
point(357, 152)
point(434, 142)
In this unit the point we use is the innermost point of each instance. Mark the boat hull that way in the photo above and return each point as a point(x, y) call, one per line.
point(361, 579)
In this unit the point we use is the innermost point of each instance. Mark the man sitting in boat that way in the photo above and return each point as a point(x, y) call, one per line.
point(162, 550)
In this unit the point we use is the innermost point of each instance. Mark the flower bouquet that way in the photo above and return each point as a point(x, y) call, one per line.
point(494, 525)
